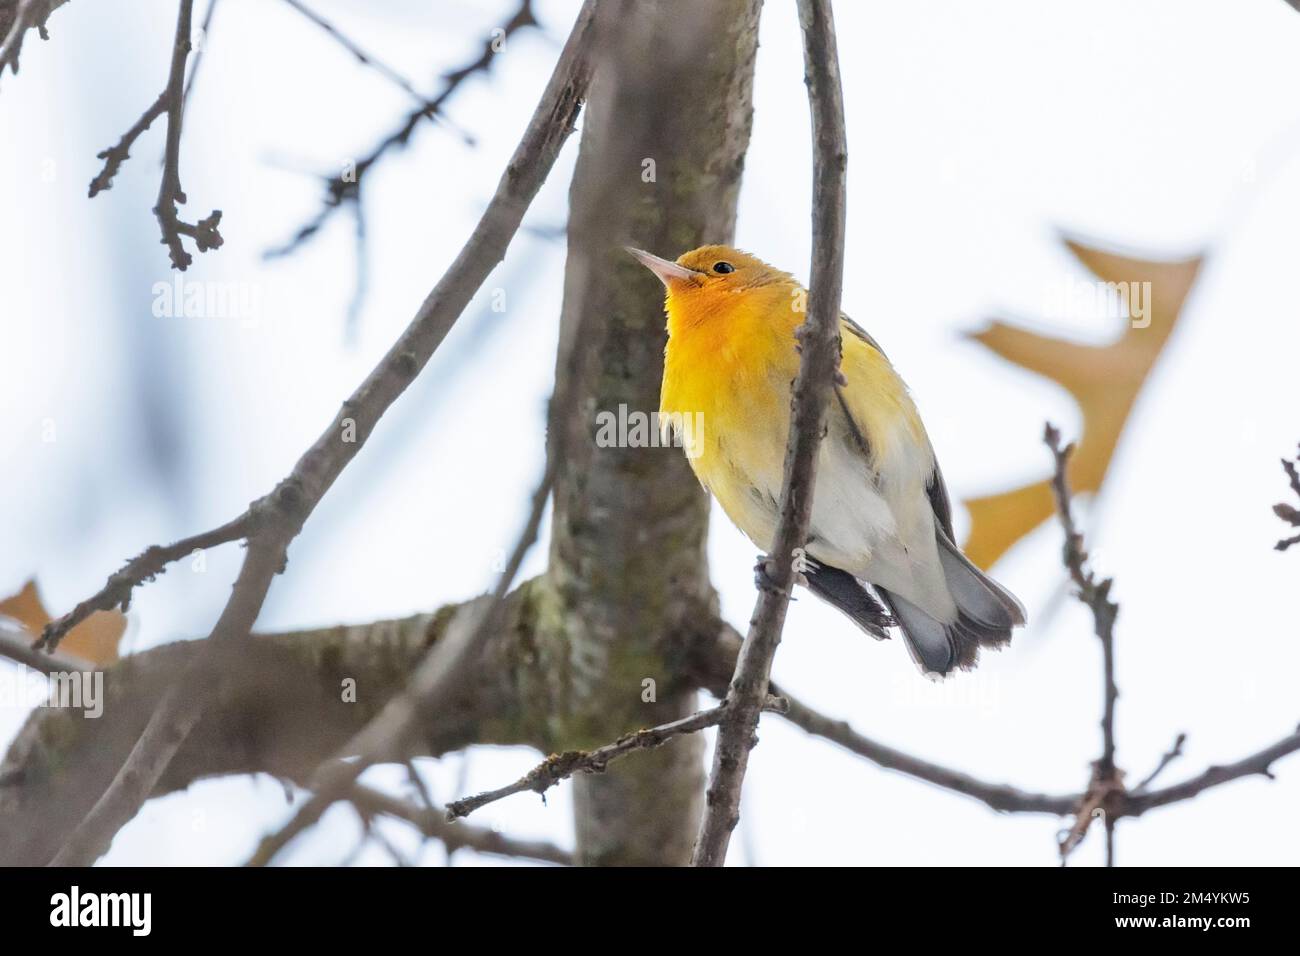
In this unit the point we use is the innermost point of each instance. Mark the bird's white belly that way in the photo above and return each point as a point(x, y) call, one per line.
point(852, 521)
point(879, 526)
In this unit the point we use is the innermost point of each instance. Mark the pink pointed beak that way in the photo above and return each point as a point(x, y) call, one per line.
point(665, 270)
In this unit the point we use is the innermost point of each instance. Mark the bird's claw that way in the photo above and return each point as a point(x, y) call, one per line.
point(763, 579)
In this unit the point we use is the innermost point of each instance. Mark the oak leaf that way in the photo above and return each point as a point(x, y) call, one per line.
point(1104, 380)
point(95, 640)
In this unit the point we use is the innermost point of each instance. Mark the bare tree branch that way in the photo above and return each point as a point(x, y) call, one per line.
point(1093, 593)
point(1106, 789)
point(456, 836)
point(559, 767)
point(15, 644)
point(436, 680)
point(282, 709)
point(713, 662)
point(283, 715)
point(116, 155)
point(22, 16)
point(204, 41)
point(819, 340)
point(170, 194)
point(177, 714)
point(361, 56)
point(1000, 797)
point(316, 471)
point(1289, 513)
point(1259, 763)
point(1169, 757)
point(344, 188)
point(435, 683)
point(117, 591)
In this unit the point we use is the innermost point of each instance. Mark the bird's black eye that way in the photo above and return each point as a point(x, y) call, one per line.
point(722, 268)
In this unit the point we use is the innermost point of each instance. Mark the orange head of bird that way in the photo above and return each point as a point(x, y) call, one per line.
point(712, 286)
point(710, 271)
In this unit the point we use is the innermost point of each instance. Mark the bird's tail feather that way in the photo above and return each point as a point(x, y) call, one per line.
point(986, 614)
point(977, 595)
point(850, 596)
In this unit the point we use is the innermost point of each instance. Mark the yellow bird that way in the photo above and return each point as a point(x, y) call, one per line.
point(881, 522)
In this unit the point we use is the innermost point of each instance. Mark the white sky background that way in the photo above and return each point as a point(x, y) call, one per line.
point(976, 133)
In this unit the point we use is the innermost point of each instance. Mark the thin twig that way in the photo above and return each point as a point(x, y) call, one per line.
point(1169, 757)
point(344, 188)
point(282, 514)
point(1106, 790)
point(1259, 763)
point(205, 29)
point(456, 836)
point(170, 194)
point(29, 14)
point(117, 591)
point(361, 56)
point(116, 155)
point(559, 767)
point(417, 782)
point(1289, 513)
point(819, 343)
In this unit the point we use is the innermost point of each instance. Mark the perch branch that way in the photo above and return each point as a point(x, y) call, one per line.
point(819, 344)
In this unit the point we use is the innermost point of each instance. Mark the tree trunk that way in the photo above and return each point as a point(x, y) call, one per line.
point(662, 151)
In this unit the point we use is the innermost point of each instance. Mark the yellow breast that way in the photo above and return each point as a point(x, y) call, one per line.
point(731, 360)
